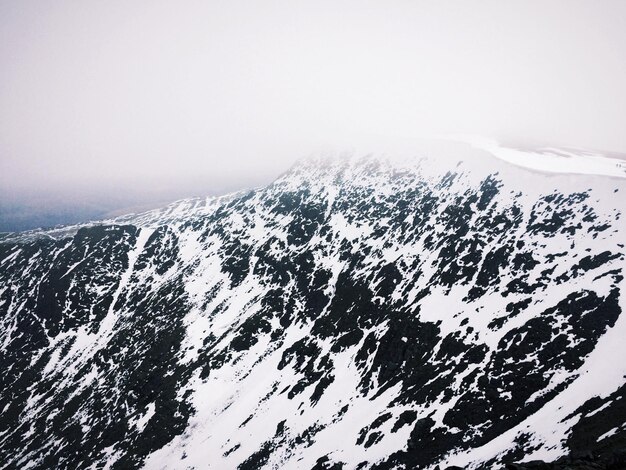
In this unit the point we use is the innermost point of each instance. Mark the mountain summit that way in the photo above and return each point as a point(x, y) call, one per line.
point(370, 313)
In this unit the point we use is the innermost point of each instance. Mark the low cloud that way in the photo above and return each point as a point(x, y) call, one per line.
point(174, 99)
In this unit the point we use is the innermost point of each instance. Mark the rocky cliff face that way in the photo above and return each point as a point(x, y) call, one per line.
point(356, 313)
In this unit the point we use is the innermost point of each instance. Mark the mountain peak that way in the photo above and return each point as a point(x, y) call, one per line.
point(362, 312)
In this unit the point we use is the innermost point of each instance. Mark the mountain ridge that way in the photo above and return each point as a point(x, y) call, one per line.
point(594, 163)
point(362, 313)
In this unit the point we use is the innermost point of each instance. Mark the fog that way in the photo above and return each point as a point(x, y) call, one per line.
point(147, 100)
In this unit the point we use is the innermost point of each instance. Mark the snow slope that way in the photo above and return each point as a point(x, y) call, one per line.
point(362, 312)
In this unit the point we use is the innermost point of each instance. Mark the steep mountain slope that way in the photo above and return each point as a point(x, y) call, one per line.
point(357, 313)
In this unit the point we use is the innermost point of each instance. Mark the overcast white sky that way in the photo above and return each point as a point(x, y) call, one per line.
point(205, 96)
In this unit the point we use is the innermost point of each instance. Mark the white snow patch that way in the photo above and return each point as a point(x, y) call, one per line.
point(143, 420)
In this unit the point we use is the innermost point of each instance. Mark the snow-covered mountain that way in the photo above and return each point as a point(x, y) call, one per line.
point(359, 312)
